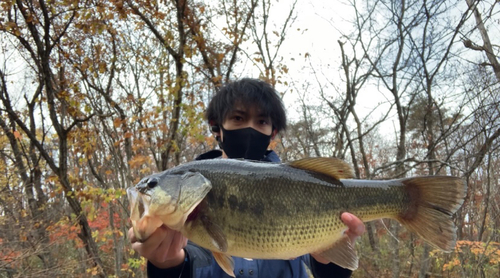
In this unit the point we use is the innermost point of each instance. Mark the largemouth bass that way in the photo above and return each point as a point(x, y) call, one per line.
point(280, 211)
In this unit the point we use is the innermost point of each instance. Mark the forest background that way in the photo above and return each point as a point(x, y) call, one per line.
point(97, 94)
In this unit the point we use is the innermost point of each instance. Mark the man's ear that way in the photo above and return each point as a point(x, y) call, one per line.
point(214, 128)
point(273, 134)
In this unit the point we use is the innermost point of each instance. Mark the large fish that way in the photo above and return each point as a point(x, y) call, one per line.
point(281, 211)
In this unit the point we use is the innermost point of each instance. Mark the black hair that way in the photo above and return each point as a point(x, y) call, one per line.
point(247, 91)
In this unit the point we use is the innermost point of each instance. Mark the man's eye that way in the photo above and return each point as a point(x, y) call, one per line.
point(238, 118)
point(264, 122)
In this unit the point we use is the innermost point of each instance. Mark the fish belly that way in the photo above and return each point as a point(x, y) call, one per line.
point(253, 238)
point(280, 218)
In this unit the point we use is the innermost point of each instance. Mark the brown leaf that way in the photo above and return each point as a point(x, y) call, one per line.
point(117, 122)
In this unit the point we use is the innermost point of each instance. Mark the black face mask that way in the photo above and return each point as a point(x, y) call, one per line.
point(245, 143)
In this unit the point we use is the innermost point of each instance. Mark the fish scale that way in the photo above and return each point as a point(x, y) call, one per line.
point(279, 211)
point(290, 225)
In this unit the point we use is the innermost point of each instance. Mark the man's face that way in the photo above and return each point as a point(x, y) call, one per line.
point(244, 116)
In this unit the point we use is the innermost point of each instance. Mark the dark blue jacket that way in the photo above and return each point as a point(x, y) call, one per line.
point(200, 263)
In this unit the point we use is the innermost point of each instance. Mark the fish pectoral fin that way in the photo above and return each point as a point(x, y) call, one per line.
point(330, 166)
point(225, 262)
point(341, 253)
point(216, 233)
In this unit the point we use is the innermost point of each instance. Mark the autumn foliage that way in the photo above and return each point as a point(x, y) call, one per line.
point(94, 95)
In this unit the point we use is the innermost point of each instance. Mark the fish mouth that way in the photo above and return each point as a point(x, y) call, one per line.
point(137, 207)
point(140, 205)
point(144, 221)
point(149, 210)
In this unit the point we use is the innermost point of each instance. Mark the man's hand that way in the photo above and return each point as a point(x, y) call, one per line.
point(355, 229)
point(164, 248)
point(355, 226)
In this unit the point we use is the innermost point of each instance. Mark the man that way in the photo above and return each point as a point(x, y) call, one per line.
point(244, 116)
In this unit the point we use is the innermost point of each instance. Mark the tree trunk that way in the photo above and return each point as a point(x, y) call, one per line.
point(487, 47)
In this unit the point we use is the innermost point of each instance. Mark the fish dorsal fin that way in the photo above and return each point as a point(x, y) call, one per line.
point(341, 253)
point(225, 262)
point(329, 166)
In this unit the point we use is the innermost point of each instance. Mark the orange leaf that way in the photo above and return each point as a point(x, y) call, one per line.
point(137, 160)
point(17, 135)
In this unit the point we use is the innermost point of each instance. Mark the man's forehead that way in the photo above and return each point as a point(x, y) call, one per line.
point(248, 109)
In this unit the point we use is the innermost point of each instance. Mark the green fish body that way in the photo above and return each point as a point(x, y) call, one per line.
point(281, 211)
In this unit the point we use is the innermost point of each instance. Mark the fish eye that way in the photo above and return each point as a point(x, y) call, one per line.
point(152, 182)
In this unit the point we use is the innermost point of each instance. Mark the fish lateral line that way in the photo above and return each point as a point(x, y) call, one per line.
point(424, 205)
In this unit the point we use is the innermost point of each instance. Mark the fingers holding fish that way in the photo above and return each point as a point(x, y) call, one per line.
point(176, 246)
point(163, 248)
point(355, 226)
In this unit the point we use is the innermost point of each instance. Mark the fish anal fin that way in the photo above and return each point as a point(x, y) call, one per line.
point(341, 253)
point(215, 232)
point(329, 166)
point(225, 262)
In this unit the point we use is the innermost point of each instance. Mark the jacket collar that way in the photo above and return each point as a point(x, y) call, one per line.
point(270, 156)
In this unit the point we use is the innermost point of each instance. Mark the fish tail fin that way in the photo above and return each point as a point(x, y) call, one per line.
point(433, 201)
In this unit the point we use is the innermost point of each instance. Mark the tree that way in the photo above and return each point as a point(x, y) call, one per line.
point(38, 29)
point(110, 91)
point(409, 53)
point(96, 95)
